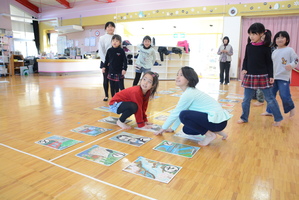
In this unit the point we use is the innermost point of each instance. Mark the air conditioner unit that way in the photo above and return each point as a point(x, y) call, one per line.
point(68, 29)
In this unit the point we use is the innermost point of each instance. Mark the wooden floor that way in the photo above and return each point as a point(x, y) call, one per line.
point(257, 161)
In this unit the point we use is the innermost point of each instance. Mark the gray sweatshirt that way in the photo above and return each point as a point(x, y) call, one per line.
point(281, 58)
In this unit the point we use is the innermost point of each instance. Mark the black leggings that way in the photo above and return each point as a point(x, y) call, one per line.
point(127, 109)
point(116, 85)
point(105, 81)
point(137, 78)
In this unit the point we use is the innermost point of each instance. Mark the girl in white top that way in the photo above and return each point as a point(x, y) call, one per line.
point(146, 58)
point(104, 45)
point(284, 60)
point(199, 112)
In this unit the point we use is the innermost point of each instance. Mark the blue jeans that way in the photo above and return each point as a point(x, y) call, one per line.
point(271, 101)
point(285, 94)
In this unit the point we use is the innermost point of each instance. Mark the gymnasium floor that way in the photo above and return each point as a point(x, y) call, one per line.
point(257, 161)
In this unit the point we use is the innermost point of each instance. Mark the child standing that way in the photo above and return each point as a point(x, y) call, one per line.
point(284, 60)
point(258, 72)
point(116, 64)
point(134, 100)
point(104, 45)
point(146, 58)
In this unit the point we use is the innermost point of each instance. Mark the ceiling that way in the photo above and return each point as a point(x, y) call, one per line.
point(39, 5)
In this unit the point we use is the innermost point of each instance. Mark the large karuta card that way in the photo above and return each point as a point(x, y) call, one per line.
point(190, 137)
point(112, 120)
point(58, 142)
point(101, 155)
point(152, 169)
point(90, 130)
point(131, 139)
point(155, 127)
point(177, 148)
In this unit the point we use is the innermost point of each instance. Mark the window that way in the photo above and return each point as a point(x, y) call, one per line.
point(23, 35)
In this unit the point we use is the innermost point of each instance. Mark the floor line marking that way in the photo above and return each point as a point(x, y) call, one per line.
point(79, 173)
point(100, 138)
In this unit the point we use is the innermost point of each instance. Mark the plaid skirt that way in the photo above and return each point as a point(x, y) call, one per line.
point(115, 77)
point(256, 81)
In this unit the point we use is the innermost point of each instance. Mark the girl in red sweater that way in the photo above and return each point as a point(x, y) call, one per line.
point(134, 100)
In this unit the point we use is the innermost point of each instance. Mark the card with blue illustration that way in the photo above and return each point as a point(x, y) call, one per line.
point(177, 149)
point(155, 170)
point(90, 130)
point(101, 155)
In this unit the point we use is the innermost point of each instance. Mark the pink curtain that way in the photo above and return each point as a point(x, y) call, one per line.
point(274, 24)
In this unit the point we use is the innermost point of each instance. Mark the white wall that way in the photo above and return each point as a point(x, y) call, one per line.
point(232, 29)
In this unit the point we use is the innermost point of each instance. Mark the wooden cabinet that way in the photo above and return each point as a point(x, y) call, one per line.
point(16, 61)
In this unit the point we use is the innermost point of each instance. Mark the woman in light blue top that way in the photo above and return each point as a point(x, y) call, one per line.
point(200, 113)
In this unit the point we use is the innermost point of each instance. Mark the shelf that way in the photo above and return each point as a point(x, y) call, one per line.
point(167, 69)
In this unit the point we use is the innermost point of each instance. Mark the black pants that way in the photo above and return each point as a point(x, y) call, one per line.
point(224, 68)
point(127, 109)
point(105, 81)
point(137, 78)
point(197, 123)
point(115, 86)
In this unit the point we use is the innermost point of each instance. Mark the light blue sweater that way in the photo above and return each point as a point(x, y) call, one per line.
point(196, 100)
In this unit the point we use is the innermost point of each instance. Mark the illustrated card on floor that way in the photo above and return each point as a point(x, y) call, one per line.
point(228, 100)
point(112, 120)
point(101, 155)
point(103, 108)
point(229, 110)
point(162, 117)
point(155, 127)
point(175, 89)
point(152, 169)
point(132, 139)
point(58, 142)
point(190, 137)
point(176, 148)
point(229, 105)
point(231, 96)
point(165, 92)
point(90, 130)
point(176, 95)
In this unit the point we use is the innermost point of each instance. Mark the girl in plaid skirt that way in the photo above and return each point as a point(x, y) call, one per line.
point(258, 72)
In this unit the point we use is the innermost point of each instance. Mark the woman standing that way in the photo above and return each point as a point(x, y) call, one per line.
point(104, 45)
point(225, 51)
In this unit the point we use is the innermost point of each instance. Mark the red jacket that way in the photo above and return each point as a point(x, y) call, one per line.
point(134, 94)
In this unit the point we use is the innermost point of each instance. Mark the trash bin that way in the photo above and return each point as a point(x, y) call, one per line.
point(24, 71)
